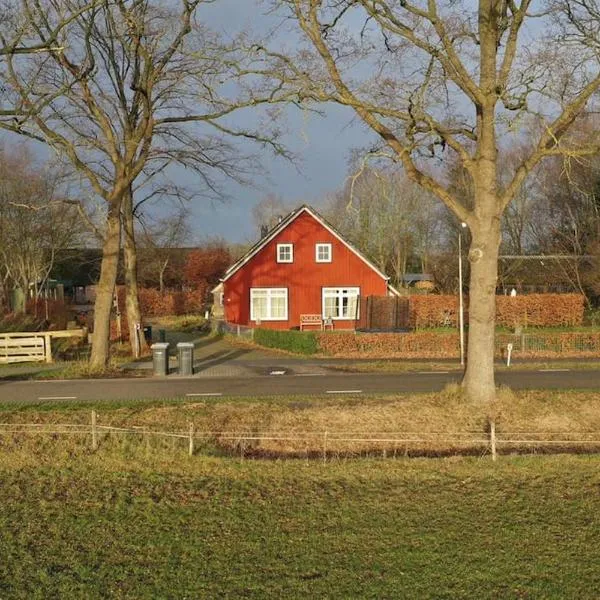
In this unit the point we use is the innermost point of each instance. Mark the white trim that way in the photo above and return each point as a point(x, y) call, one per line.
point(281, 247)
point(284, 223)
point(327, 245)
point(269, 296)
point(338, 293)
point(392, 291)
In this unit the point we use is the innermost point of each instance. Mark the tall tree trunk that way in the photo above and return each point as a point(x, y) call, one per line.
point(132, 301)
point(106, 287)
point(479, 382)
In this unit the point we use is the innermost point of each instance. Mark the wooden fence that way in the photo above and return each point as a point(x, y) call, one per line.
point(32, 346)
point(383, 313)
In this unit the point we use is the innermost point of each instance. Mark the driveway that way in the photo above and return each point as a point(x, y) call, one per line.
point(217, 357)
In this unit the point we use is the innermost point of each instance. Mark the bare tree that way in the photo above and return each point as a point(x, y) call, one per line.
point(434, 80)
point(390, 218)
point(117, 99)
point(268, 212)
point(158, 239)
point(35, 222)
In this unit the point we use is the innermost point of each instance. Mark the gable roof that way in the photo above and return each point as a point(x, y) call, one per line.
point(282, 225)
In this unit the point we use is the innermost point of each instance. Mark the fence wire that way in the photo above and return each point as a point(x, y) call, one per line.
point(324, 442)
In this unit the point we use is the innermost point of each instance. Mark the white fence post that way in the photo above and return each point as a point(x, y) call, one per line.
point(493, 439)
point(94, 432)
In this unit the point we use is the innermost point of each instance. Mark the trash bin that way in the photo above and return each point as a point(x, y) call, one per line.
point(162, 336)
point(160, 359)
point(148, 333)
point(185, 351)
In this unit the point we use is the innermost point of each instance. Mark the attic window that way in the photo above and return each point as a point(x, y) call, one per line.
point(285, 253)
point(323, 253)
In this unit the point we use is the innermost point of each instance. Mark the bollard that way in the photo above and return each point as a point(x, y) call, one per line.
point(160, 359)
point(185, 351)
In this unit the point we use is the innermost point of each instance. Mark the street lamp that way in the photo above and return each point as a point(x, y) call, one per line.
point(461, 311)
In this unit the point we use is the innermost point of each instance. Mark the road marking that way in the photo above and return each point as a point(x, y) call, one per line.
point(277, 373)
point(554, 370)
point(343, 392)
point(433, 372)
point(310, 374)
point(205, 394)
point(57, 398)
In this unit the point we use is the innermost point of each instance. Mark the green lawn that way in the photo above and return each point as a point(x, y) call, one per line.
point(142, 524)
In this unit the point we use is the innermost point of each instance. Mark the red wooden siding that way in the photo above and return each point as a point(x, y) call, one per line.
point(304, 278)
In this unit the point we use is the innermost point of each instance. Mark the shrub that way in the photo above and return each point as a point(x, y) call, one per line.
point(531, 310)
point(154, 303)
point(19, 322)
point(388, 345)
point(300, 342)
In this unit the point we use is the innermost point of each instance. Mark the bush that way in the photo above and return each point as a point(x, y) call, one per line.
point(299, 342)
point(19, 322)
point(529, 310)
point(388, 345)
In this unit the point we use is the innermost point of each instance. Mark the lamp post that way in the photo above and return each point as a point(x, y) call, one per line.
point(461, 311)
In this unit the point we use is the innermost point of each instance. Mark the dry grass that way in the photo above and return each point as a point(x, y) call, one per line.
point(431, 424)
point(411, 366)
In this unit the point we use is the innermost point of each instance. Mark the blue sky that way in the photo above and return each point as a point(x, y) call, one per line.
point(321, 144)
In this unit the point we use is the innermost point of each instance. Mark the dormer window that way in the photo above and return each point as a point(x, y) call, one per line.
point(285, 253)
point(323, 253)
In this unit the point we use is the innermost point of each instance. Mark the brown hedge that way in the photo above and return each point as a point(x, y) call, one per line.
point(531, 310)
point(446, 345)
point(154, 303)
point(389, 345)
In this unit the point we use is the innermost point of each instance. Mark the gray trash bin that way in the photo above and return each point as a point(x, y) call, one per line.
point(185, 352)
point(160, 359)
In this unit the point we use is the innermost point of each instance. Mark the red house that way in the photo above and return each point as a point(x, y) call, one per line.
point(301, 267)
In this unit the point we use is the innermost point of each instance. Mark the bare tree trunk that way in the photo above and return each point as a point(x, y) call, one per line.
point(478, 381)
point(106, 288)
point(132, 301)
point(161, 276)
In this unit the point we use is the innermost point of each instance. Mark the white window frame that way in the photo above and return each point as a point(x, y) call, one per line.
point(329, 252)
point(341, 292)
point(281, 247)
point(270, 294)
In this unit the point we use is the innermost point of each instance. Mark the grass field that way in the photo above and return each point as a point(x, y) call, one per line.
point(141, 519)
point(140, 525)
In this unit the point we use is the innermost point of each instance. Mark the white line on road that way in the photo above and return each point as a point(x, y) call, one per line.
point(205, 394)
point(57, 398)
point(310, 374)
point(554, 370)
point(432, 372)
point(343, 392)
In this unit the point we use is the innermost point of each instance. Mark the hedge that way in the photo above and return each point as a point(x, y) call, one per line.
point(431, 345)
point(304, 342)
point(389, 345)
point(154, 303)
point(531, 310)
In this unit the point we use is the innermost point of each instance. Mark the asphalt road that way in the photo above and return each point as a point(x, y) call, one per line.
point(277, 384)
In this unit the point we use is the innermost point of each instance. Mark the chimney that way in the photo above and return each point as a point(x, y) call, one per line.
point(263, 231)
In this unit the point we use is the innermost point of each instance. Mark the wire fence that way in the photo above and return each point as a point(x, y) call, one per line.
point(324, 444)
